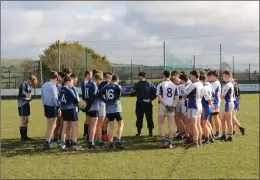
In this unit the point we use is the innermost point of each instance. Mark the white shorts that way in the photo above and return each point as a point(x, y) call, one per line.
point(194, 113)
point(178, 107)
point(102, 110)
point(228, 107)
point(184, 109)
point(162, 111)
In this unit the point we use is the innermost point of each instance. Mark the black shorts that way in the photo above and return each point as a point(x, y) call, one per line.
point(92, 113)
point(50, 111)
point(69, 114)
point(115, 116)
point(24, 110)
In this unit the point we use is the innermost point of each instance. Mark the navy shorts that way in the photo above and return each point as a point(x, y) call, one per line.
point(207, 112)
point(24, 110)
point(115, 116)
point(236, 105)
point(69, 114)
point(50, 111)
point(92, 113)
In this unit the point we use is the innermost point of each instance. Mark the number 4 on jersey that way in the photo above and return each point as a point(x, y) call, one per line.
point(63, 99)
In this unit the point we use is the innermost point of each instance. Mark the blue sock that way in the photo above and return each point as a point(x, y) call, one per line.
point(206, 139)
point(217, 133)
point(163, 140)
point(73, 143)
point(117, 140)
point(90, 142)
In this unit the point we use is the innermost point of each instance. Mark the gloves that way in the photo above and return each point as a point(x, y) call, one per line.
point(170, 109)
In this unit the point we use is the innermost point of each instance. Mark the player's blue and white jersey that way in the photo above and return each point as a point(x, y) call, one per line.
point(207, 94)
point(184, 101)
point(91, 95)
point(100, 87)
point(195, 94)
point(167, 90)
point(216, 92)
point(49, 94)
point(111, 94)
point(228, 92)
point(24, 89)
point(67, 98)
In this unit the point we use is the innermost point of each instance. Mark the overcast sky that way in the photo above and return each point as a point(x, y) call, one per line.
point(25, 24)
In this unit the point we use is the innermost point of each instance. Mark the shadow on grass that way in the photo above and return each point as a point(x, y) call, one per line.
point(14, 147)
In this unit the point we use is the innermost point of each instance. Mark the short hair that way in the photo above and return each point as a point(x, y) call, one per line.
point(115, 77)
point(55, 75)
point(202, 75)
point(166, 73)
point(73, 76)
point(227, 72)
point(67, 70)
point(213, 72)
point(195, 73)
point(87, 72)
point(109, 73)
point(98, 76)
point(142, 74)
point(66, 79)
point(62, 74)
point(173, 78)
point(182, 72)
point(175, 72)
point(184, 77)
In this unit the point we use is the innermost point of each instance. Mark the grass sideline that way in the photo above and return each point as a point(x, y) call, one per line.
point(142, 159)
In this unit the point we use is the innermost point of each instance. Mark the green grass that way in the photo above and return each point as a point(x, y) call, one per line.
point(142, 158)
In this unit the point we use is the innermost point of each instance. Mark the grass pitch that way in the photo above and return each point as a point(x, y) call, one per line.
point(141, 159)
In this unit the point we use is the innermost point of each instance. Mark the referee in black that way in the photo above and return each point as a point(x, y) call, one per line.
point(146, 93)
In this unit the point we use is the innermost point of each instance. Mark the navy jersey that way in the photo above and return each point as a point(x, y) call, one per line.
point(111, 94)
point(103, 84)
point(83, 86)
point(145, 90)
point(91, 95)
point(67, 98)
point(24, 89)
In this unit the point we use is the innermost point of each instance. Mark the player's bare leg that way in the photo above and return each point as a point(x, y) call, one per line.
point(228, 119)
point(171, 130)
point(161, 131)
point(217, 124)
point(51, 124)
point(104, 130)
point(224, 128)
point(99, 130)
point(119, 134)
point(63, 134)
point(69, 135)
point(74, 135)
point(237, 123)
point(195, 130)
point(92, 130)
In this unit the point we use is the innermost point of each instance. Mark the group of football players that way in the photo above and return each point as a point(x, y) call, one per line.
point(192, 102)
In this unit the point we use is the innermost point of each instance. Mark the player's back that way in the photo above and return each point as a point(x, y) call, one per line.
point(167, 90)
point(228, 92)
point(67, 98)
point(112, 98)
point(49, 94)
point(195, 91)
point(216, 91)
point(207, 93)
